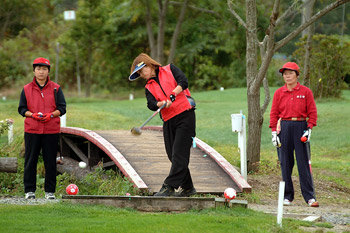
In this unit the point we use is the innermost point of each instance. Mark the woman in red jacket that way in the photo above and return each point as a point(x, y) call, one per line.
point(294, 107)
point(41, 103)
point(168, 85)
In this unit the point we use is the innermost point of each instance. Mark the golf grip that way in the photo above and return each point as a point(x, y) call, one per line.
point(155, 113)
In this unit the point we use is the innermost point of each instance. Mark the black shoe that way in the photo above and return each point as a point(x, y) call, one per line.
point(186, 192)
point(165, 191)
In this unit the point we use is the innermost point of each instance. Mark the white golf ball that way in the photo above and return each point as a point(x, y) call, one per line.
point(82, 164)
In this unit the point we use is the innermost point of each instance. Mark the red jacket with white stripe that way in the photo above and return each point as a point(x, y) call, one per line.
point(298, 103)
point(162, 92)
point(41, 101)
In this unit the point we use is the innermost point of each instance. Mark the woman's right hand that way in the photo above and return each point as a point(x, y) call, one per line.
point(161, 103)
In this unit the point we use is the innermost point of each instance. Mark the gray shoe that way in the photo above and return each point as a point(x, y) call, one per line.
point(30, 195)
point(186, 192)
point(165, 191)
point(50, 196)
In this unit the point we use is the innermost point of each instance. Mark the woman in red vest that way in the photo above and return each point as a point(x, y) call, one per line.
point(41, 103)
point(292, 105)
point(169, 85)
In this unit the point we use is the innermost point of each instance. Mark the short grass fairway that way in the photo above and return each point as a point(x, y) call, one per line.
point(84, 218)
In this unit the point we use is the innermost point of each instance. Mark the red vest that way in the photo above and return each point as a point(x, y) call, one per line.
point(41, 101)
point(168, 83)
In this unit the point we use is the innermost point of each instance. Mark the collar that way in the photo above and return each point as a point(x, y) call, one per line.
point(36, 82)
point(296, 88)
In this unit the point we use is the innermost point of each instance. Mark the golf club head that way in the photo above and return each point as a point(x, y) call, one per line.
point(136, 131)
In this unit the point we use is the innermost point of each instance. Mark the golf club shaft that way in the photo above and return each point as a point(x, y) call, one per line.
point(155, 113)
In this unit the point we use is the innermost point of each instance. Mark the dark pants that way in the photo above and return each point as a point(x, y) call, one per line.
point(178, 133)
point(48, 143)
point(291, 132)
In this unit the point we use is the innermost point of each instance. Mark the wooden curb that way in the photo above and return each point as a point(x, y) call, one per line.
point(152, 203)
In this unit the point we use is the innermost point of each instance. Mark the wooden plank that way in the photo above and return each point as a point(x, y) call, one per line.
point(153, 204)
point(76, 149)
point(111, 151)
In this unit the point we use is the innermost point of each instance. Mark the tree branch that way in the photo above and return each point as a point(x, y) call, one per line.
point(197, 8)
point(240, 20)
point(287, 13)
point(318, 15)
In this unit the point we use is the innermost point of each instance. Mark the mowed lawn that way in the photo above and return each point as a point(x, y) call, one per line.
point(84, 218)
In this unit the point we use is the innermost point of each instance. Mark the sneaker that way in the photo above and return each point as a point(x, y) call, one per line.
point(165, 191)
point(313, 203)
point(50, 196)
point(287, 202)
point(186, 192)
point(30, 195)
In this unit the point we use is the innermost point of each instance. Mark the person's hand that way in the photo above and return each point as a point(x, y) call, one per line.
point(275, 139)
point(167, 102)
point(47, 117)
point(306, 136)
point(37, 116)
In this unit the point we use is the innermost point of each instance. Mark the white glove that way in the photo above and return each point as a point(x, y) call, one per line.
point(275, 139)
point(307, 135)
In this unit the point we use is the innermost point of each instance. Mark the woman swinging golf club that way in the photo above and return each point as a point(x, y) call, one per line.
point(167, 85)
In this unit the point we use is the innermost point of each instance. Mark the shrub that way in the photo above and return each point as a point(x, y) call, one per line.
point(329, 64)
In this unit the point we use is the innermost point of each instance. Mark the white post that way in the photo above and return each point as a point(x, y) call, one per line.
point(63, 120)
point(280, 203)
point(239, 125)
point(243, 149)
point(10, 133)
point(131, 96)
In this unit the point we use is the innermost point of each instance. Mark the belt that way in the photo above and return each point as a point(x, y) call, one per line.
point(294, 119)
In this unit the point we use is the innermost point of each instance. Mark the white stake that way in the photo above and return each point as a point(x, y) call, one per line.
point(280, 203)
point(10, 133)
point(63, 120)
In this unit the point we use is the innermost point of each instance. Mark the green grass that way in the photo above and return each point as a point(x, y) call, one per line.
point(330, 139)
point(84, 218)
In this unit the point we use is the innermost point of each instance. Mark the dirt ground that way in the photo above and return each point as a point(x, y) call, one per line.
point(334, 202)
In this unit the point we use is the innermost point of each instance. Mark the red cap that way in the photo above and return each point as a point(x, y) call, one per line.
point(41, 61)
point(290, 66)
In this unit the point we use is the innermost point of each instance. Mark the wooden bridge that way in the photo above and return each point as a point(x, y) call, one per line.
point(143, 160)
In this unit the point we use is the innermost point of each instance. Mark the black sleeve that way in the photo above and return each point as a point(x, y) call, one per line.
point(179, 77)
point(151, 101)
point(22, 106)
point(61, 102)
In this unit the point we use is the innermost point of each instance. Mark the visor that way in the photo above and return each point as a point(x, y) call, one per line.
point(134, 75)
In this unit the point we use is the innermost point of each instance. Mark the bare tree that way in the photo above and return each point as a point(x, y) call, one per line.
point(255, 73)
point(309, 32)
point(157, 46)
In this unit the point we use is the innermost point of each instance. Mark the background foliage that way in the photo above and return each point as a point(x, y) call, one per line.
point(210, 48)
point(330, 62)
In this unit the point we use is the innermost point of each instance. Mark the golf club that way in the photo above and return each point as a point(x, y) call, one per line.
point(137, 130)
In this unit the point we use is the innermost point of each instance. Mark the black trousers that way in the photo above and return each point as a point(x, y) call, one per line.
point(291, 132)
point(48, 144)
point(178, 133)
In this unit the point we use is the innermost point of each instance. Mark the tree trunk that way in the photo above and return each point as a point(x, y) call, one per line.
point(88, 75)
point(307, 13)
point(71, 167)
point(255, 121)
point(163, 7)
point(8, 164)
point(151, 41)
point(177, 31)
point(254, 127)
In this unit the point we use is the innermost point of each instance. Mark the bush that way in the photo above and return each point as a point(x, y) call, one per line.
point(329, 64)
